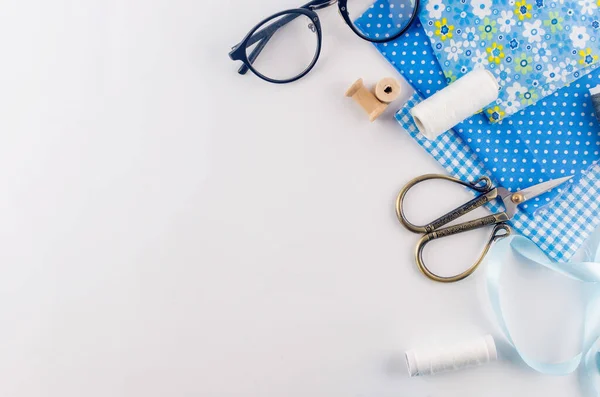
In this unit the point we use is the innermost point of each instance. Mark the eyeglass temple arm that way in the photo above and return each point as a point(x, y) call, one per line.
point(263, 36)
point(319, 4)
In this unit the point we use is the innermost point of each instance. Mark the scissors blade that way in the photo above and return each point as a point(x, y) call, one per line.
point(541, 188)
point(512, 200)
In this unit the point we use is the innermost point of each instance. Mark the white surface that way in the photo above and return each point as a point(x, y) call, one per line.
point(170, 228)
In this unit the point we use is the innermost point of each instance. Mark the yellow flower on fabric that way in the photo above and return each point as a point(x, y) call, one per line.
point(496, 113)
point(587, 58)
point(443, 30)
point(522, 9)
point(495, 53)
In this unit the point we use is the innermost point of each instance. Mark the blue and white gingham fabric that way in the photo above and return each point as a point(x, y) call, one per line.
point(559, 229)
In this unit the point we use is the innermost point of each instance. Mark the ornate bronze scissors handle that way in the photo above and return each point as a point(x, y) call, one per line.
point(432, 230)
point(484, 186)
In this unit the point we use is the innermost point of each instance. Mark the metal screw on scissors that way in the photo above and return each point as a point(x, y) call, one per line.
point(484, 185)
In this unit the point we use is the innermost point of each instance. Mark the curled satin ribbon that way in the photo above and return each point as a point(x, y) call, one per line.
point(587, 272)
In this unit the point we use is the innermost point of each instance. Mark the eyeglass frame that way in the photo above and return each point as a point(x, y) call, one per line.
point(239, 53)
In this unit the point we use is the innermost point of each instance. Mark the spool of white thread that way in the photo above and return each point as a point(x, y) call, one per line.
point(452, 358)
point(448, 107)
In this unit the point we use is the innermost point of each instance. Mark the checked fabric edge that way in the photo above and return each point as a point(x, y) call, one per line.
point(559, 229)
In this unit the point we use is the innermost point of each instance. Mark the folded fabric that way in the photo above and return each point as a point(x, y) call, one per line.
point(534, 47)
point(555, 137)
point(559, 229)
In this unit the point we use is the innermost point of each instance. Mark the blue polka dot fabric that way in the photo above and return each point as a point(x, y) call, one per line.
point(554, 137)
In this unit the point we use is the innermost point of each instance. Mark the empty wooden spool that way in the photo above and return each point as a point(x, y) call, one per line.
point(375, 103)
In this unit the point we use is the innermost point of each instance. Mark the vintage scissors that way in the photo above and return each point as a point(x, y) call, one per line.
point(484, 185)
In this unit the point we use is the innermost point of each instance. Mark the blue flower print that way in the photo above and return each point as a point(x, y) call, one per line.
point(480, 59)
point(435, 8)
point(463, 66)
point(470, 37)
point(588, 7)
point(534, 79)
point(570, 10)
point(539, 3)
point(511, 106)
point(547, 89)
point(568, 65)
point(506, 21)
point(541, 52)
point(515, 91)
point(533, 31)
point(462, 16)
point(504, 74)
point(554, 74)
point(481, 8)
point(560, 42)
point(596, 24)
point(513, 44)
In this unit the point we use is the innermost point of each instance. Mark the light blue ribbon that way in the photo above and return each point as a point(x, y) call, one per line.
point(586, 272)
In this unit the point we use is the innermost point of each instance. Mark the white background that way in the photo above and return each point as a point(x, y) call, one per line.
point(170, 228)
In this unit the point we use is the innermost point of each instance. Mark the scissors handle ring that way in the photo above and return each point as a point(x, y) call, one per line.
point(475, 185)
point(496, 235)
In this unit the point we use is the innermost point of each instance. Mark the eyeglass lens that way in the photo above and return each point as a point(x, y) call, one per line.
point(283, 47)
point(396, 15)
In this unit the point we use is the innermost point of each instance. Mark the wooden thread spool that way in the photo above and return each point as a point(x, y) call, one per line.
point(375, 103)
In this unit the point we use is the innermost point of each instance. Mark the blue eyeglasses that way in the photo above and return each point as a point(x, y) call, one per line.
point(290, 41)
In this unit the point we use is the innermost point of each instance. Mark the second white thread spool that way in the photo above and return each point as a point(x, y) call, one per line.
point(452, 358)
point(461, 99)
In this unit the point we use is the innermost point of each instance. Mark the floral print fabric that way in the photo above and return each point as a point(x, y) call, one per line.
point(534, 47)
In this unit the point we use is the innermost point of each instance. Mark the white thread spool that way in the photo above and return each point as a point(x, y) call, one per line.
point(452, 358)
point(448, 107)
